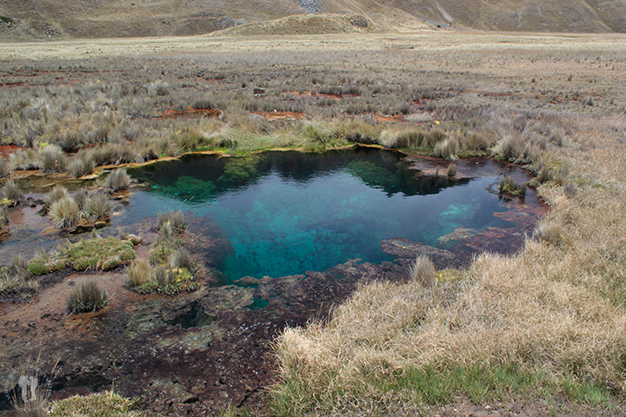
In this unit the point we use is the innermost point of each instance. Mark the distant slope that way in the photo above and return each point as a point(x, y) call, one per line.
point(39, 19)
point(309, 24)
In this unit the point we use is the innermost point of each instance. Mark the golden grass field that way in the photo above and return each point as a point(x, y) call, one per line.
point(542, 332)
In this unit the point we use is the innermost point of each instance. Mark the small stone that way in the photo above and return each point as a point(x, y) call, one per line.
point(134, 239)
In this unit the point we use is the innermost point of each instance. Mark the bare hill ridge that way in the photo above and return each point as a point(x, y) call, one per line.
point(37, 19)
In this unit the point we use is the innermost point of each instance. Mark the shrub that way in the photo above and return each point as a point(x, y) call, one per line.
point(475, 141)
point(19, 266)
point(11, 191)
point(423, 271)
point(90, 296)
point(117, 180)
point(16, 275)
point(139, 273)
point(51, 158)
point(64, 213)
point(114, 154)
point(57, 193)
point(81, 165)
point(97, 205)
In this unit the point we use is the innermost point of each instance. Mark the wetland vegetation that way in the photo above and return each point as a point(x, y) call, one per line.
point(541, 323)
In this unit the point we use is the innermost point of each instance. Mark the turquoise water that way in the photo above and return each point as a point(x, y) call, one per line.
point(285, 213)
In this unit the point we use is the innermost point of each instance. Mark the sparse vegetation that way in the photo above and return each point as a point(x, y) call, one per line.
point(90, 296)
point(169, 269)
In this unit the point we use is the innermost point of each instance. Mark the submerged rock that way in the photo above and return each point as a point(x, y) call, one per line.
point(404, 248)
point(460, 233)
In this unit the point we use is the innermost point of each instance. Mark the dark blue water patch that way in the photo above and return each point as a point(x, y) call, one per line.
point(285, 213)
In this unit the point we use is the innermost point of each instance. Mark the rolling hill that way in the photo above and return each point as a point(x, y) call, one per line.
point(43, 19)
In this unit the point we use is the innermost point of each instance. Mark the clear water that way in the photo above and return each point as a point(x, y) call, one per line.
point(286, 213)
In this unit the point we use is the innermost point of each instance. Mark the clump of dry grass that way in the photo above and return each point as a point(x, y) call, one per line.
point(118, 180)
point(11, 191)
point(90, 296)
point(64, 213)
point(139, 272)
point(423, 271)
point(174, 220)
point(57, 193)
point(82, 164)
point(552, 234)
point(51, 158)
point(5, 168)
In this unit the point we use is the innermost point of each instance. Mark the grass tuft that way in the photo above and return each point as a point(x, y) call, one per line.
point(118, 180)
point(509, 186)
point(97, 205)
point(452, 170)
point(82, 164)
point(11, 192)
point(423, 271)
point(139, 273)
point(552, 234)
point(51, 158)
point(176, 220)
point(58, 192)
point(90, 296)
point(64, 213)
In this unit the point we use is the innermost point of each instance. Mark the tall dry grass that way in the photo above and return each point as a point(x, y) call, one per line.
point(552, 316)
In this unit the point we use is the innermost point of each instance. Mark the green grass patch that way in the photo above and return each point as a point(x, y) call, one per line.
point(96, 253)
point(430, 386)
point(104, 404)
point(6, 19)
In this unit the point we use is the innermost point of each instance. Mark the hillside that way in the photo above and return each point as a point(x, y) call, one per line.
point(42, 19)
